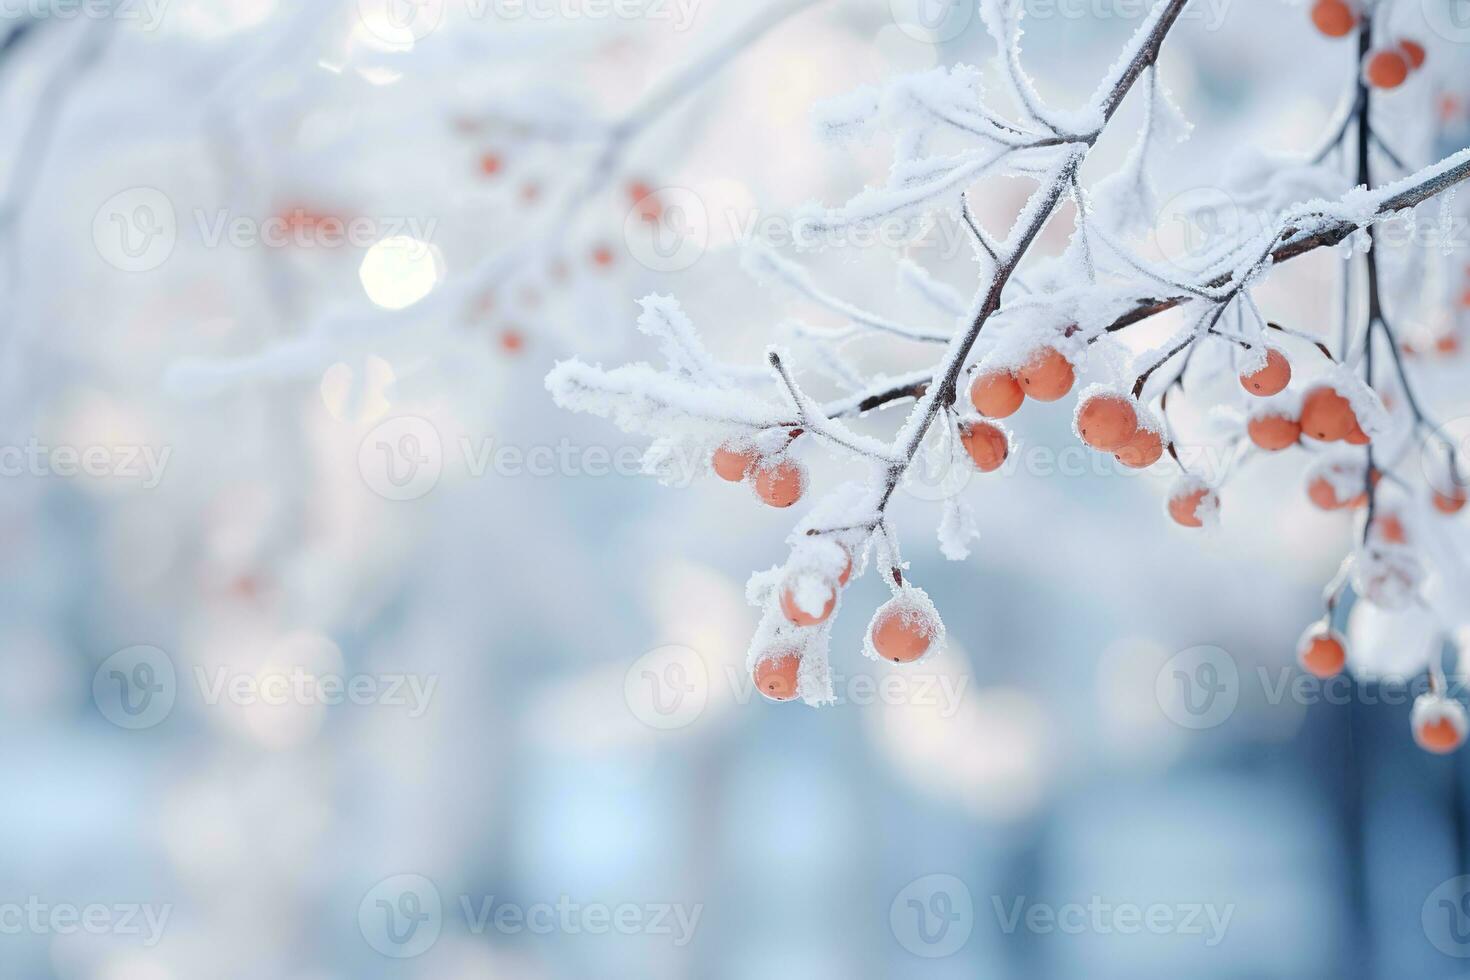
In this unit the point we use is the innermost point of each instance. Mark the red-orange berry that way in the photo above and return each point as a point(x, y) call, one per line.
point(1326, 415)
point(1334, 18)
point(996, 394)
point(1322, 651)
point(801, 617)
point(782, 483)
point(1439, 723)
point(1386, 69)
point(1143, 450)
point(1107, 422)
point(1450, 503)
point(1412, 50)
point(734, 462)
point(1390, 528)
point(986, 444)
point(775, 677)
point(902, 633)
point(1047, 375)
point(1271, 378)
point(1274, 433)
point(1188, 504)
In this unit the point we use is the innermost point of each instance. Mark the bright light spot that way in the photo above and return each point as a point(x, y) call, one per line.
point(397, 272)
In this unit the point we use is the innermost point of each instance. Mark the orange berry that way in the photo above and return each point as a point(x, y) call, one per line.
point(644, 198)
point(1143, 450)
point(1386, 69)
point(1412, 50)
point(1107, 422)
point(780, 484)
point(1274, 433)
point(1272, 378)
point(1357, 437)
point(491, 164)
point(1390, 529)
point(1334, 18)
point(996, 394)
point(512, 341)
point(1186, 503)
point(1447, 344)
point(1439, 723)
point(1450, 503)
point(1047, 376)
point(775, 677)
point(1321, 492)
point(902, 633)
point(602, 256)
point(1322, 651)
point(1326, 494)
point(732, 462)
point(987, 445)
point(800, 616)
point(1326, 415)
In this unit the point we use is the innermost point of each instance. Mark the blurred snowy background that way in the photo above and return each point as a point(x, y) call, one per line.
point(331, 649)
